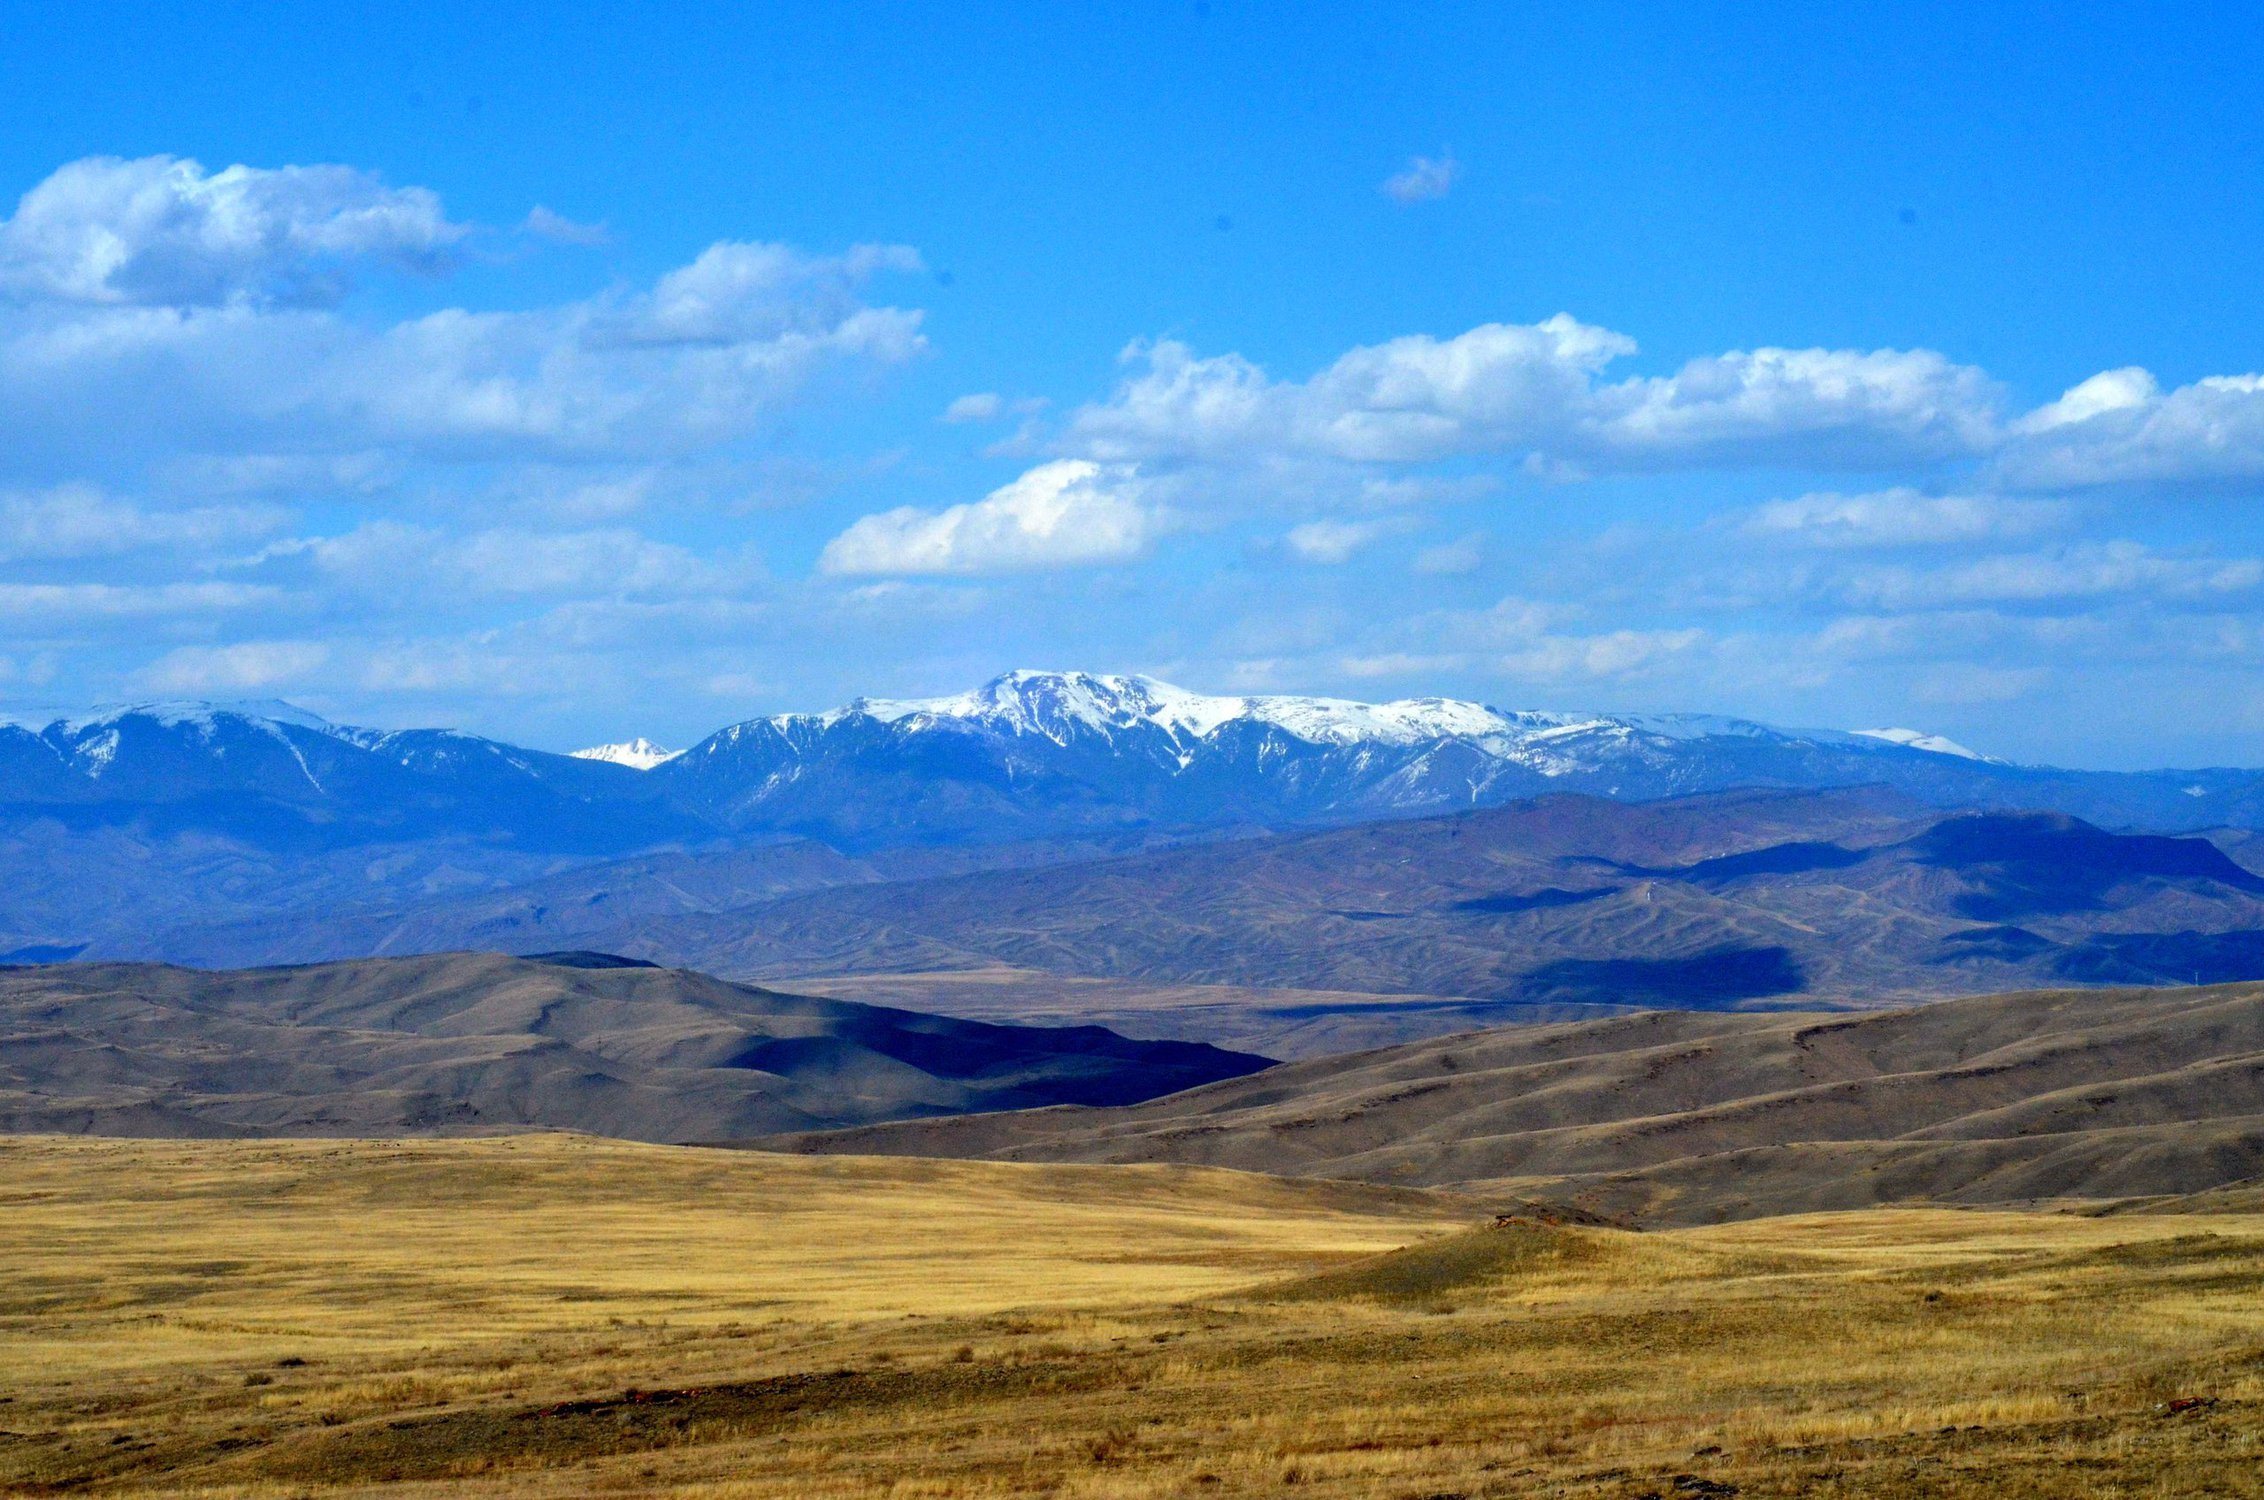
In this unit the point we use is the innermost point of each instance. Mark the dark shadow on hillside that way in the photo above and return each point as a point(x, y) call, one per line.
point(1509, 901)
point(2164, 958)
point(2035, 864)
point(1705, 981)
point(1796, 858)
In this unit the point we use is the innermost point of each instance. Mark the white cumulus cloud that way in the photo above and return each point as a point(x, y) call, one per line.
point(1535, 391)
point(2121, 428)
point(749, 293)
point(161, 231)
point(1069, 513)
point(707, 357)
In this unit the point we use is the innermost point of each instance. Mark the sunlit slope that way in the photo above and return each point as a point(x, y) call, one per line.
point(120, 1252)
point(1689, 1117)
point(544, 1316)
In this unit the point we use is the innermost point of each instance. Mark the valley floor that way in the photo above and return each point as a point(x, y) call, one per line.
point(548, 1315)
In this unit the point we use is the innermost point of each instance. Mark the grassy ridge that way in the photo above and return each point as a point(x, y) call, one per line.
point(2046, 1097)
point(552, 1316)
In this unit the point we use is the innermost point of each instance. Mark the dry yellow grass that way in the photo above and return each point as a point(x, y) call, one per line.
point(470, 1317)
point(120, 1253)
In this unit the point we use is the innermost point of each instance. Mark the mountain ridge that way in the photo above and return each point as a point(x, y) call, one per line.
point(166, 816)
point(1037, 751)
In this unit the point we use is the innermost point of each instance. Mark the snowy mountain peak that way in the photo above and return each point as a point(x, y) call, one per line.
point(1152, 722)
point(1054, 704)
point(638, 754)
point(1918, 739)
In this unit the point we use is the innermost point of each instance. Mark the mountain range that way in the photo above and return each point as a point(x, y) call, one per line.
point(122, 828)
point(1040, 754)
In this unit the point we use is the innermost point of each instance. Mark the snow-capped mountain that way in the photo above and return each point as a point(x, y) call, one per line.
point(1033, 754)
point(273, 773)
point(122, 826)
point(1057, 705)
point(1063, 706)
point(639, 754)
point(1028, 755)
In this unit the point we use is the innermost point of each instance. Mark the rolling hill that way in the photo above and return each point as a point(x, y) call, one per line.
point(480, 1042)
point(1689, 1117)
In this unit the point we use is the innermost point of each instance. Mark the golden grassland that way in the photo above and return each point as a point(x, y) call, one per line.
point(546, 1315)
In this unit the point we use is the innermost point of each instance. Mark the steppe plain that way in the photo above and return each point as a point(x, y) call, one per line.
point(554, 1315)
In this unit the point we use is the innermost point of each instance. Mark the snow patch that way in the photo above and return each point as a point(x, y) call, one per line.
point(1918, 739)
point(638, 754)
point(1057, 704)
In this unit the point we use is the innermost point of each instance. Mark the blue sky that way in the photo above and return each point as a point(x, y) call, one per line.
point(605, 372)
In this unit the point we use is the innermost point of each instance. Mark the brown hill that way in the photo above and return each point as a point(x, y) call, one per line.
point(478, 1041)
point(1694, 1117)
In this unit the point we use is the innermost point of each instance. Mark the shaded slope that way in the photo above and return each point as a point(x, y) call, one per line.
point(1687, 1116)
point(480, 1041)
